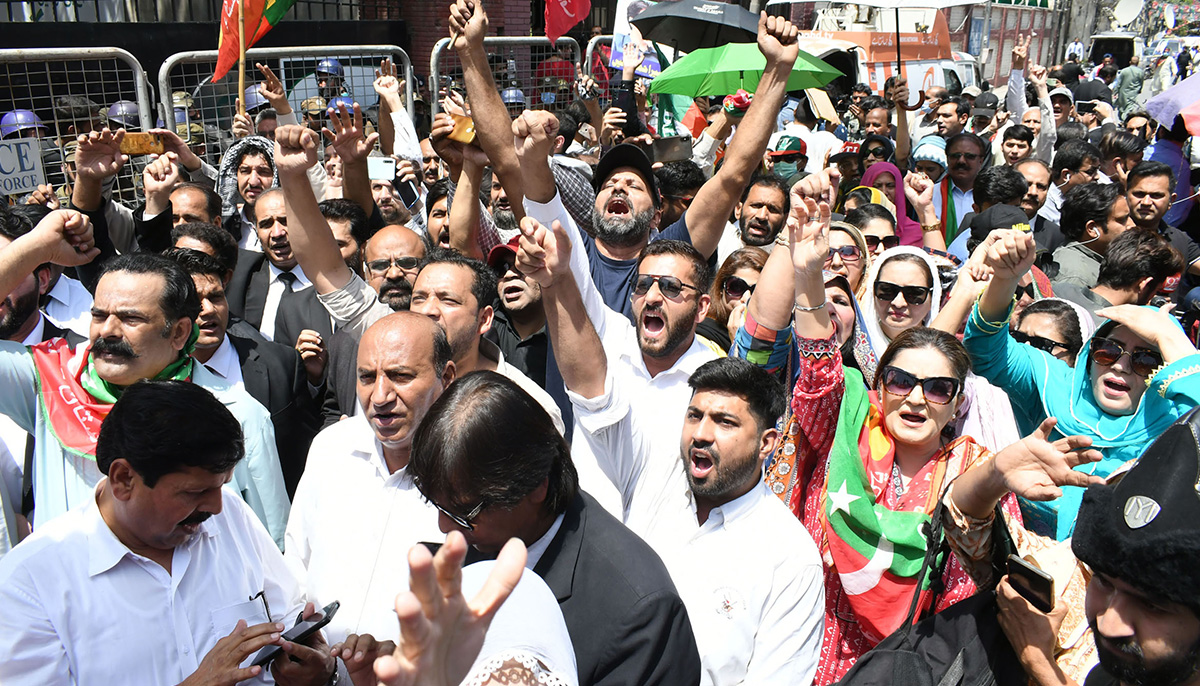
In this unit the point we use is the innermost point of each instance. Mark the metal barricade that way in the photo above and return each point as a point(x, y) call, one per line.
point(205, 109)
point(596, 64)
point(72, 91)
point(528, 70)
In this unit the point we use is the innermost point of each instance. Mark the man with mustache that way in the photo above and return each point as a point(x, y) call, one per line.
point(143, 327)
point(763, 208)
point(965, 155)
point(651, 358)
point(705, 509)
point(161, 554)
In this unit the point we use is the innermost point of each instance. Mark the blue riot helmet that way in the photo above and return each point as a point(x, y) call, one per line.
point(124, 114)
point(22, 122)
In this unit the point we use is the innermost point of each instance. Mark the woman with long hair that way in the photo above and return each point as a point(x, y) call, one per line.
point(862, 467)
point(731, 289)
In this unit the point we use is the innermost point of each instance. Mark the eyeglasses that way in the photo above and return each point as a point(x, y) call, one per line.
point(464, 522)
point(1027, 289)
point(880, 152)
point(1105, 352)
point(849, 253)
point(968, 156)
point(889, 242)
point(937, 389)
point(1042, 343)
point(670, 286)
point(733, 287)
point(913, 295)
point(404, 263)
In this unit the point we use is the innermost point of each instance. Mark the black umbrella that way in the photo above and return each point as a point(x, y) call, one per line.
point(690, 24)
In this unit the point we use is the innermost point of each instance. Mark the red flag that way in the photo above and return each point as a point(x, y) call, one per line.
point(230, 45)
point(561, 15)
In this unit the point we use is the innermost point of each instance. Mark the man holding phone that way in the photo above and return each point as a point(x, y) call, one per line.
point(164, 573)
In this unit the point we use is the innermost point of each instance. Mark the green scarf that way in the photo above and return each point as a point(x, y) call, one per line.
point(179, 370)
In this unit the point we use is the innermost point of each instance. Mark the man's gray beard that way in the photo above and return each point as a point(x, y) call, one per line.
point(505, 220)
point(623, 232)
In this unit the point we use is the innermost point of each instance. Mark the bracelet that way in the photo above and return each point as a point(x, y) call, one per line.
point(813, 308)
point(931, 227)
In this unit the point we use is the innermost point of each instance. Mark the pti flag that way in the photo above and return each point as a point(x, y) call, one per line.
point(561, 15)
point(260, 16)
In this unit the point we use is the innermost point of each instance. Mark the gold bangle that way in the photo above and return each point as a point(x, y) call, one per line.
point(931, 227)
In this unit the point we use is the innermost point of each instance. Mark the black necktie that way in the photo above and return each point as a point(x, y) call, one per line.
point(288, 280)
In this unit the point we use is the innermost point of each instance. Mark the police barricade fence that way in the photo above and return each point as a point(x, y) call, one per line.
point(51, 95)
point(314, 78)
point(529, 71)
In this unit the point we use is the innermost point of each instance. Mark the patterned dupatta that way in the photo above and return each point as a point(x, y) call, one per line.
point(872, 538)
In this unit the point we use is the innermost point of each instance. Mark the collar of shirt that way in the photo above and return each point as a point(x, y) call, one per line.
point(505, 322)
point(538, 548)
point(696, 355)
point(105, 550)
point(64, 290)
point(39, 330)
point(738, 508)
point(1085, 251)
point(224, 360)
point(302, 281)
point(364, 445)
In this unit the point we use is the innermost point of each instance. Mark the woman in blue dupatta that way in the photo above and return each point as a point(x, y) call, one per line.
point(1133, 378)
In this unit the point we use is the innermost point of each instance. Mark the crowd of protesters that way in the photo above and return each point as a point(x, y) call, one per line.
point(540, 407)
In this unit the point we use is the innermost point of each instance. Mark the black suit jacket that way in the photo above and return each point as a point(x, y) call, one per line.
point(341, 378)
point(274, 376)
point(247, 294)
point(625, 618)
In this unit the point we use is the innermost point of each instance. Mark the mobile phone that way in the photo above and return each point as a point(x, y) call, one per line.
point(141, 144)
point(302, 630)
point(408, 193)
point(1032, 583)
point(381, 168)
point(464, 130)
point(670, 149)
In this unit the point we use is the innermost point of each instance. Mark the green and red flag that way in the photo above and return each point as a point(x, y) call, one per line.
point(260, 16)
point(877, 552)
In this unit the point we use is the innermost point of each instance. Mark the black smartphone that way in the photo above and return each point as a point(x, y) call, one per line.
point(1032, 583)
point(669, 149)
point(303, 629)
point(408, 193)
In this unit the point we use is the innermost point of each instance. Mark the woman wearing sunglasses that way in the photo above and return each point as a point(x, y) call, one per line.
point(875, 149)
point(730, 292)
point(859, 464)
point(848, 255)
point(1055, 326)
point(1132, 379)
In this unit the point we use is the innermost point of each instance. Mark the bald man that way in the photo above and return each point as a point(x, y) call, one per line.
point(356, 512)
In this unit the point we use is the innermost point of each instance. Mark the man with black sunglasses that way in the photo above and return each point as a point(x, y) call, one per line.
point(965, 154)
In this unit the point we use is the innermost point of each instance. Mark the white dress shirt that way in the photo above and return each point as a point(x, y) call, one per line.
point(751, 576)
point(249, 239)
point(81, 608)
point(69, 306)
point(225, 363)
point(275, 289)
point(660, 399)
point(1052, 208)
point(351, 527)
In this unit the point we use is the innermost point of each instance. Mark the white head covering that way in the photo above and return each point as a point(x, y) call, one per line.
point(1087, 323)
point(879, 340)
point(528, 629)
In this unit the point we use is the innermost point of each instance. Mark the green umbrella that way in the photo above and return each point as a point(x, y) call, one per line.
point(723, 70)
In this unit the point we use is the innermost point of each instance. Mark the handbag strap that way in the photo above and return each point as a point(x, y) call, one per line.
point(933, 544)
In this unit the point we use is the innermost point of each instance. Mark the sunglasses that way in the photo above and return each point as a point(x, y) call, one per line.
point(1025, 290)
point(880, 152)
point(1105, 352)
point(913, 295)
point(938, 389)
point(464, 522)
point(404, 263)
point(670, 286)
point(1046, 345)
point(889, 242)
point(849, 253)
point(733, 287)
point(969, 156)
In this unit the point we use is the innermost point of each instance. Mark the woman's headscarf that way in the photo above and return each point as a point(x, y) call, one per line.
point(856, 351)
point(875, 138)
point(1066, 393)
point(908, 229)
point(879, 340)
point(1087, 323)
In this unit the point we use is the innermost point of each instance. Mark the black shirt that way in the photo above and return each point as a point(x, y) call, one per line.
point(528, 354)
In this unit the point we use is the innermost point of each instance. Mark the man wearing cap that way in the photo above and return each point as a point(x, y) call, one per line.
point(846, 159)
point(1062, 103)
point(789, 157)
point(817, 144)
point(519, 326)
point(982, 114)
point(970, 93)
